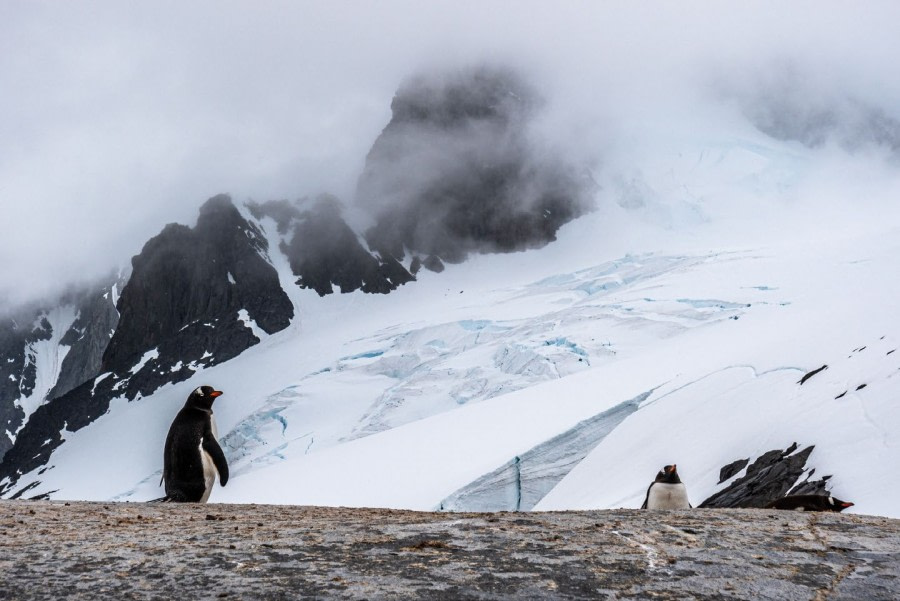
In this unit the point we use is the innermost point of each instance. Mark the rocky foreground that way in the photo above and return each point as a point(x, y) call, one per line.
point(55, 550)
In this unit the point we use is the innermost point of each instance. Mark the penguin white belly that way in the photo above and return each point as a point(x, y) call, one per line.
point(668, 496)
point(209, 473)
point(209, 467)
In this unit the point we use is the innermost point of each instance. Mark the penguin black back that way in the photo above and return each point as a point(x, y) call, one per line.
point(192, 455)
point(809, 503)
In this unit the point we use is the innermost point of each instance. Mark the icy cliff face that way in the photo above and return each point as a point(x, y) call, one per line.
point(46, 351)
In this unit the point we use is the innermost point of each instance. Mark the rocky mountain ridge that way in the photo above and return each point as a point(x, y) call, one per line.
point(198, 296)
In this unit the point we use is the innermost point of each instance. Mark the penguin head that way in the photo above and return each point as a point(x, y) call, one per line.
point(203, 397)
point(838, 505)
point(668, 474)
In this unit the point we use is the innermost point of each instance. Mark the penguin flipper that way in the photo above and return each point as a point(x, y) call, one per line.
point(211, 446)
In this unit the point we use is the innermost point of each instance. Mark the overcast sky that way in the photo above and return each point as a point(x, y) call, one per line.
point(118, 117)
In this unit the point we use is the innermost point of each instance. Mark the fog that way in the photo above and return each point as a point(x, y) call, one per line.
point(118, 117)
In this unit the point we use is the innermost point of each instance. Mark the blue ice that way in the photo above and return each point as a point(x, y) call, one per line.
point(566, 343)
point(594, 287)
point(366, 355)
point(711, 303)
point(474, 325)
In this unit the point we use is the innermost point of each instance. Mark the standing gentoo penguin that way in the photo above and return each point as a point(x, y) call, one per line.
point(809, 503)
point(192, 456)
point(667, 491)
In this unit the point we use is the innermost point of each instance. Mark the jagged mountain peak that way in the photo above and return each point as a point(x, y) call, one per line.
point(187, 278)
point(455, 171)
point(450, 98)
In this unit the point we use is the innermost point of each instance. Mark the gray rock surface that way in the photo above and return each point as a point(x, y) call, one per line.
point(54, 550)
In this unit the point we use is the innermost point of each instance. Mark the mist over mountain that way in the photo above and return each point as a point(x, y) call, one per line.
point(325, 252)
point(199, 296)
point(125, 119)
point(787, 103)
point(457, 170)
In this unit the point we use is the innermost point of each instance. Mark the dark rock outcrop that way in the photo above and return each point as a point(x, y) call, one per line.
point(324, 251)
point(187, 289)
point(729, 471)
point(810, 374)
point(771, 476)
point(456, 172)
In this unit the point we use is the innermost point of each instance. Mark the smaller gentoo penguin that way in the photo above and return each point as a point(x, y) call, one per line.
point(809, 503)
point(192, 457)
point(667, 491)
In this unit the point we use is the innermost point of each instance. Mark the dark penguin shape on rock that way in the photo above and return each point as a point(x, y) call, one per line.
point(192, 455)
point(667, 491)
point(809, 503)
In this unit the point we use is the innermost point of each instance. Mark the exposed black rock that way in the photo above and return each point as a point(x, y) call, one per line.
point(728, 471)
point(455, 171)
point(811, 487)
point(324, 251)
point(769, 477)
point(187, 288)
point(810, 374)
point(181, 309)
point(433, 263)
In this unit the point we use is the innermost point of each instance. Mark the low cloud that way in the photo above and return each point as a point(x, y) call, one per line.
point(117, 118)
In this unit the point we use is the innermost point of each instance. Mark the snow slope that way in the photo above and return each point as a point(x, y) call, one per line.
point(672, 325)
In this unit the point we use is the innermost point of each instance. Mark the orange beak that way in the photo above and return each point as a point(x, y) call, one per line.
point(846, 504)
point(216, 393)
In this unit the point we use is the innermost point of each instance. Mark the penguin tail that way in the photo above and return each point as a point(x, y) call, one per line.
point(173, 497)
